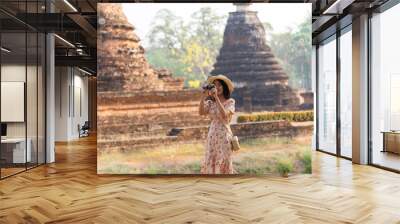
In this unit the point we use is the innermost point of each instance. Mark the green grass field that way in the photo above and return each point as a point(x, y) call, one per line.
point(256, 157)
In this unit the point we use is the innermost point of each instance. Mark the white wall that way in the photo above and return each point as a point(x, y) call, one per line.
point(81, 103)
point(62, 81)
point(71, 94)
point(12, 73)
point(16, 73)
point(33, 126)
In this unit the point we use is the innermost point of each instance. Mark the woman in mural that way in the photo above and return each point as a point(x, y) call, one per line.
point(220, 107)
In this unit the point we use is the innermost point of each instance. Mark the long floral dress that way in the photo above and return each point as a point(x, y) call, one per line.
point(218, 155)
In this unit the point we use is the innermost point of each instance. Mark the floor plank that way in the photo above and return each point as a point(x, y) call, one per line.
point(70, 191)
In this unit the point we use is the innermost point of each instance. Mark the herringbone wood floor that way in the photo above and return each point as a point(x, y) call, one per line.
point(69, 191)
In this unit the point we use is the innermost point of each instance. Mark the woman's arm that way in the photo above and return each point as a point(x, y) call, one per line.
point(224, 113)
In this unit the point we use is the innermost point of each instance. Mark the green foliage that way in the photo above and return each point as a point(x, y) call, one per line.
point(296, 116)
point(198, 59)
point(253, 166)
point(187, 48)
point(194, 83)
point(164, 33)
point(157, 57)
point(253, 142)
point(284, 166)
point(119, 168)
point(293, 49)
point(306, 160)
point(208, 27)
point(191, 167)
point(155, 170)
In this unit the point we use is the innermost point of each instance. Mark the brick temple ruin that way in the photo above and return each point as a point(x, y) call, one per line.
point(261, 83)
point(136, 103)
point(121, 63)
point(142, 106)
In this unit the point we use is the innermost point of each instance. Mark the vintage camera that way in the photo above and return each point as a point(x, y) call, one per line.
point(209, 86)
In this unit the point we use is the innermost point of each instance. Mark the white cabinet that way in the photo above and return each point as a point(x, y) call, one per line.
point(19, 155)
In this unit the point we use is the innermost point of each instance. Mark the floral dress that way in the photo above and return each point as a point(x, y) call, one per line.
point(218, 155)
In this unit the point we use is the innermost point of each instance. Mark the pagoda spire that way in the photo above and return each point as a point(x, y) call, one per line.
point(245, 57)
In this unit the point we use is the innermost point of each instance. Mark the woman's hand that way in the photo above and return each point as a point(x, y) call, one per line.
point(213, 93)
point(205, 93)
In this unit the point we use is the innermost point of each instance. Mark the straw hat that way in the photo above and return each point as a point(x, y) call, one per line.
point(228, 82)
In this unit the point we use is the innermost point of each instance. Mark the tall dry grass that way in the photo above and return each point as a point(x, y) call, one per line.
point(257, 157)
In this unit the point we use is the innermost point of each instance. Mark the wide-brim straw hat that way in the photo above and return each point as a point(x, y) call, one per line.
point(228, 82)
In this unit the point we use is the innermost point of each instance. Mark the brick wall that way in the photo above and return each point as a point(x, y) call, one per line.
point(199, 134)
point(249, 130)
point(144, 118)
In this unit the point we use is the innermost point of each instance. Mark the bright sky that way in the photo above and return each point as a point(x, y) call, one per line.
point(280, 15)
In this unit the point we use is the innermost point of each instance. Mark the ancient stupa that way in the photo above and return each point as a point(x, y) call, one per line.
point(122, 65)
point(137, 104)
point(245, 57)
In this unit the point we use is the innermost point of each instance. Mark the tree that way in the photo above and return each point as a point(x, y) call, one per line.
point(268, 30)
point(293, 49)
point(208, 27)
point(302, 57)
point(161, 58)
point(202, 48)
point(198, 59)
point(167, 31)
point(188, 49)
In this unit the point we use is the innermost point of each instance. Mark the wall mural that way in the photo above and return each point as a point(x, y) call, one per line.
point(179, 83)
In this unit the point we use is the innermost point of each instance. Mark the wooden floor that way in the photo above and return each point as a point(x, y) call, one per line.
point(69, 191)
point(387, 159)
point(5, 172)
